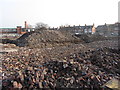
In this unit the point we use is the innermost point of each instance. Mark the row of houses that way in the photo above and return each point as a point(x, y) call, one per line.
point(108, 29)
point(87, 29)
point(105, 30)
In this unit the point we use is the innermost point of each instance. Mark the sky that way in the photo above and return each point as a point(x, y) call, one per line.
point(119, 12)
point(58, 12)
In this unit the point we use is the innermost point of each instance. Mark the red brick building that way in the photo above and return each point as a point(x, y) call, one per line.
point(17, 30)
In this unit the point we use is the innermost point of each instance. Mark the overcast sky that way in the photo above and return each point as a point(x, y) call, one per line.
point(58, 12)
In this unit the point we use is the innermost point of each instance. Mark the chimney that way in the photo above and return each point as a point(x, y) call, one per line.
point(19, 29)
point(25, 25)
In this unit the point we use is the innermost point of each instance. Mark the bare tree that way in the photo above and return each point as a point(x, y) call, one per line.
point(41, 26)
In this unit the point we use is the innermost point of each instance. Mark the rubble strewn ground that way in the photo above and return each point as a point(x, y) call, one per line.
point(80, 65)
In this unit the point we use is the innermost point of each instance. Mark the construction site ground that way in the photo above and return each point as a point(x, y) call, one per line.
point(103, 55)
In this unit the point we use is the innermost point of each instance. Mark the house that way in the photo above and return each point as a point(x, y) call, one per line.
point(108, 29)
point(87, 29)
point(53, 28)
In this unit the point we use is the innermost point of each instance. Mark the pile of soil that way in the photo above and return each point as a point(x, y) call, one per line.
point(46, 38)
point(91, 38)
point(5, 41)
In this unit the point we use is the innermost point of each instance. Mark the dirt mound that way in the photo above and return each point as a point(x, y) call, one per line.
point(5, 41)
point(91, 38)
point(46, 38)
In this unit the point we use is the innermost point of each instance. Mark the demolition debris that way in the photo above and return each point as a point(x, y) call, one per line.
point(68, 65)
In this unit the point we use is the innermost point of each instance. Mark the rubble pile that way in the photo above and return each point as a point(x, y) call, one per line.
point(54, 59)
point(91, 68)
point(46, 38)
point(108, 59)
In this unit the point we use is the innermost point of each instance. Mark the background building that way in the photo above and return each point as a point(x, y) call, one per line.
point(108, 29)
point(87, 29)
point(17, 30)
